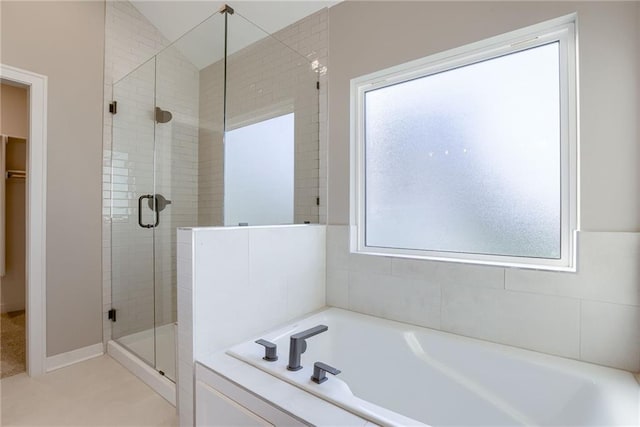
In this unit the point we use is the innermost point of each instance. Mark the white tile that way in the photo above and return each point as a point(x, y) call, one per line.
point(96, 392)
point(185, 348)
point(338, 288)
point(370, 263)
point(222, 255)
point(608, 270)
point(338, 247)
point(184, 236)
point(406, 300)
point(222, 281)
point(445, 273)
point(185, 309)
point(305, 297)
point(268, 276)
point(267, 251)
point(287, 271)
point(306, 270)
point(185, 379)
point(610, 335)
point(185, 408)
point(539, 322)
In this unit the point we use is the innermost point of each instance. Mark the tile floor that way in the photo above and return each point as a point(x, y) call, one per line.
point(97, 392)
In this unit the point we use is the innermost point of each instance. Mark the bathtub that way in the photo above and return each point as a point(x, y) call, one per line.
point(394, 374)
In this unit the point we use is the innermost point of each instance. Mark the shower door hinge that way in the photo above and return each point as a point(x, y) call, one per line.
point(318, 85)
point(113, 107)
point(317, 201)
point(112, 314)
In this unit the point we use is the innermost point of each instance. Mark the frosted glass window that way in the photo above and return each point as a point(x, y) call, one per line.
point(470, 155)
point(259, 172)
point(468, 160)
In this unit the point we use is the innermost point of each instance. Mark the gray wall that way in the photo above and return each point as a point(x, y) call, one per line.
point(369, 36)
point(65, 41)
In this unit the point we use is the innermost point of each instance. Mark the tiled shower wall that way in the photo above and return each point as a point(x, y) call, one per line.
point(130, 41)
point(267, 79)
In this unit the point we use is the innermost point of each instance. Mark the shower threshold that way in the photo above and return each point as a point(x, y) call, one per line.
point(132, 348)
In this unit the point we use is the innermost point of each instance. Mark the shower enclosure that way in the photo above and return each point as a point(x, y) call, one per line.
point(220, 128)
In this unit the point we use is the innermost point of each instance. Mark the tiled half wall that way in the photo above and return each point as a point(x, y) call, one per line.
point(235, 282)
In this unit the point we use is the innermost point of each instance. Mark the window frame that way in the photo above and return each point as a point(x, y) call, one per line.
point(563, 30)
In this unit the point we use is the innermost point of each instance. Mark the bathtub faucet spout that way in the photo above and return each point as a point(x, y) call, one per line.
point(298, 345)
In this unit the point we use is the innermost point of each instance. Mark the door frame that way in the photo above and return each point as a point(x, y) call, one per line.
point(36, 314)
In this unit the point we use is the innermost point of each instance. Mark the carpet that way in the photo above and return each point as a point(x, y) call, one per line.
point(12, 344)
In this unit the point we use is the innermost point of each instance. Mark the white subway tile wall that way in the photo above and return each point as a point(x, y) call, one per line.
point(210, 149)
point(176, 178)
point(592, 315)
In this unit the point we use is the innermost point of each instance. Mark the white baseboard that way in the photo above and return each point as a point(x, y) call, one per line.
point(163, 386)
point(69, 358)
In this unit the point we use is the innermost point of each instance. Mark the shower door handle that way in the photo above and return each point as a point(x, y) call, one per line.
point(156, 211)
point(158, 203)
point(145, 196)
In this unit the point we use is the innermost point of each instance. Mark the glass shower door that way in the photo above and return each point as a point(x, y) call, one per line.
point(161, 130)
point(132, 221)
point(179, 128)
point(169, 150)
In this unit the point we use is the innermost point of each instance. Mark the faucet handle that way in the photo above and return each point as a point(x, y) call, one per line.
point(319, 372)
point(270, 350)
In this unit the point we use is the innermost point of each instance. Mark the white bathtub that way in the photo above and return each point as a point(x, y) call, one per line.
point(398, 374)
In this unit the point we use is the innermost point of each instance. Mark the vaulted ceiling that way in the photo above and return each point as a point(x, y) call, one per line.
point(205, 44)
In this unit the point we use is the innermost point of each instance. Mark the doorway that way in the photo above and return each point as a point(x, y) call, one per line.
point(13, 182)
point(22, 218)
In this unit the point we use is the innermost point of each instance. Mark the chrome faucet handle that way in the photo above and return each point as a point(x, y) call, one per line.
point(319, 372)
point(270, 350)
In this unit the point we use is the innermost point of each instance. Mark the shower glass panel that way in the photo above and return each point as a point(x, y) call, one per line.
point(178, 97)
point(269, 86)
point(132, 177)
